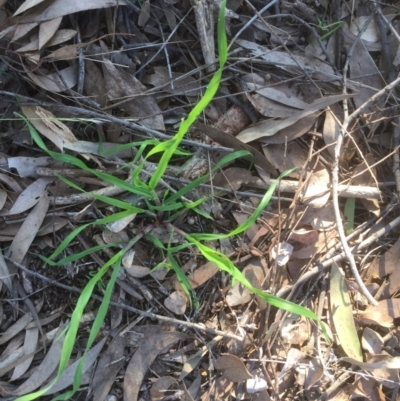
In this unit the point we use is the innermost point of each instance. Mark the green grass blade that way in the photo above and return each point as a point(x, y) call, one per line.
point(168, 148)
point(194, 184)
point(250, 221)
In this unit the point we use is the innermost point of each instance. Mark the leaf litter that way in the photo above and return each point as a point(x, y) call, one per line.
point(284, 100)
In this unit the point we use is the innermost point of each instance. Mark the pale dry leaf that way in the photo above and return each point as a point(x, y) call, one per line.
point(293, 62)
point(9, 181)
point(324, 218)
point(370, 34)
point(192, 362)
point(306, 237)
point(28, 4)
point(232, 368)
point(162, 80)
point(257, 383)
point(53, 82)
point(59, 8)
point(30, 195)
point(282, 253)
point(238, 295)
point(144, 14)
point(202, 274)
point(26, 166)
point(143, 358)
point(230, 141)
point(377, 318)
point(177, 302)
point(16, 328)
point(118, 225)
point(31, 340)
point(60, 36)
point(48, 125)
point(94, 84)
point(5, 275)
point(389, 307)
point(138, 271)
point(27, 233)
point(372, 341)
point(385, 264)
point(331, 129)
point(364, 175)
point(47, 30)
point(349, 38)
point(387, 363)
point(142, 107)
point(160, 386)
point(67, 377)
point(284, 157)
point(278, 96)
point(316, 192)
point(63, 53)
point(292, 132)
point(294, 356)
point(232, 121)
point(364, 70)
point(271, 127)
point(108, 367)
point(22, 29)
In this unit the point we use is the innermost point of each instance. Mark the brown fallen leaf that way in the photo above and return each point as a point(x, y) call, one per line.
point(120, 84)
point(271, 127)
point(231, 142)
point(159, 388)
point(202, 274)
point(143, 358)
point(46, 368)
point(26, 234)
point(232, 368)
point(389, 307)
point(177, 302)
point(108, 367)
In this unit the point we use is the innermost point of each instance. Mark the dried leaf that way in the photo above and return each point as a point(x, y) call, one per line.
point(27, 5)
point(48, 125)
point(47, 30)
point(370, 34)
point(144, 13)
point(232, 368)
point(53, 83)
point(26, 166)
point(202, 274)
point(59, 8)
point(158, 389)
point(342, 315)
point(161, 79)
point(122, 84)
point(372, 341)
point(387, 363)
point(377, 318)
point(67, 377)
point(31, 340)
point(389, 307)
point(16, 328)
point(316, 192)
point(30, 196)
point(63, 53)
point(271, 127)
point(108, 367)
point(26, 234)
point(229, 141)
point(177, 302)
point(46, 368)
point(143, 358)
point(60, 37)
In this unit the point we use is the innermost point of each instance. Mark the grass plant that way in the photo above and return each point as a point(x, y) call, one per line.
point(161, 210)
